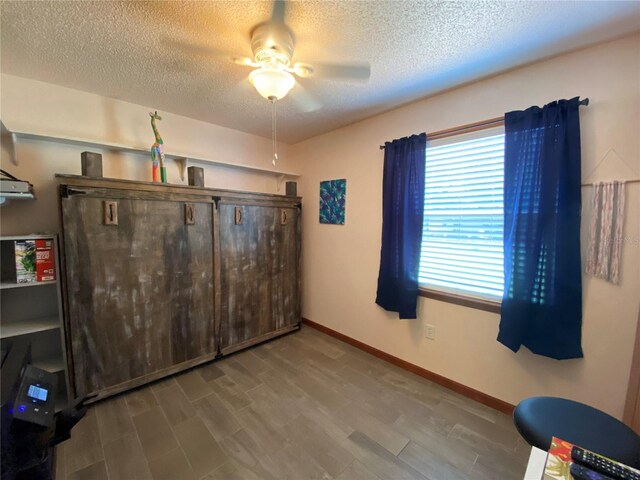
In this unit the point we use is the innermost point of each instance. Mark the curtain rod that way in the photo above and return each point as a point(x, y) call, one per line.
point(472, 127)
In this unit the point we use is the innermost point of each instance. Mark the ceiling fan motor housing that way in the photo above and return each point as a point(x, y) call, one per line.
point(272, 43)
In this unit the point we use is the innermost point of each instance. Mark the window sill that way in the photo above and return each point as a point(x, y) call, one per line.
point(477, 303)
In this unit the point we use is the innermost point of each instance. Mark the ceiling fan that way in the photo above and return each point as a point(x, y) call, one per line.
point(273, 47)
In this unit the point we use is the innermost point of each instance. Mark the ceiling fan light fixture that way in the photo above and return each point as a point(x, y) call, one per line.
point(272, 82)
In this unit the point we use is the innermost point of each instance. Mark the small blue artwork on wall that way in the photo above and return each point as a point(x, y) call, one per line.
point(333, 195)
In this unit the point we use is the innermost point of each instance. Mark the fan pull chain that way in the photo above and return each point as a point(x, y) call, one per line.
point(274, 127)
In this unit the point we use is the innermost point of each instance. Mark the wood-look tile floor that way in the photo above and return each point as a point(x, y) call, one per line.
point(302, 406)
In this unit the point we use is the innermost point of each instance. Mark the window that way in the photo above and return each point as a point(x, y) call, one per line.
point(462, 252)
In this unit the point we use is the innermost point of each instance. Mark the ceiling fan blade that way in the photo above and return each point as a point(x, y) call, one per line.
point(305, 102)
point(247, 62)
point(193, 48)
point(279, 10)
point(360, 72)
point(205, 50)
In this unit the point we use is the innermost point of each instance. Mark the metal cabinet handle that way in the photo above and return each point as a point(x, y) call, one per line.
point(110, 208)
point(67, 191)
point(189, 215)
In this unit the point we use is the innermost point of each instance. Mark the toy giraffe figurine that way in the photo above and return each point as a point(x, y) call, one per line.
point(157, 152)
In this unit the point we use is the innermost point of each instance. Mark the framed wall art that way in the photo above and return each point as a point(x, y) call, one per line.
point(333, 195)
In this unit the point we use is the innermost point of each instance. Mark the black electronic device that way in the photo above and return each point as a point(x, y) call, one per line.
point(35, 402)
point(29, 435)
point(580, 472)
point(14, 188)
point(16, 357)
point(603, 465)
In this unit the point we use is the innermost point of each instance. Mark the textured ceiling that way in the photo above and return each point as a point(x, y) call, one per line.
point(129, 51)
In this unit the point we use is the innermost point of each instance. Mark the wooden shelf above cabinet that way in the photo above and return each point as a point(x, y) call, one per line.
point(181, 158)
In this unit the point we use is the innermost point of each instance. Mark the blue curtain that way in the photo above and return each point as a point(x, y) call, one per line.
point(542, 303)
point(402, 219)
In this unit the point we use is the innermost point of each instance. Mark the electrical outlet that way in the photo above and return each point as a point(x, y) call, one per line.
point(430, 331)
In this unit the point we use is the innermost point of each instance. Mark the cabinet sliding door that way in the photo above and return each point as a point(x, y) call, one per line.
point(139, 285)
point(259, 271)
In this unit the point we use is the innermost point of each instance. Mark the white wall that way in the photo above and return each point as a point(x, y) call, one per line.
point(30, 105)
point(341, 262)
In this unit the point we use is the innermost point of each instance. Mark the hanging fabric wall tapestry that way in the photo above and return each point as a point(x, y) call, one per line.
point(605, 234)
point(332, 201)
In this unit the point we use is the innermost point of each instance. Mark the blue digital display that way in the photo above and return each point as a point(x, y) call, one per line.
point(37, 393)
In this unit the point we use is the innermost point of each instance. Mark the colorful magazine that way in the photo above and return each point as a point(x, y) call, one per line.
point(25, 251)
point(559, 461)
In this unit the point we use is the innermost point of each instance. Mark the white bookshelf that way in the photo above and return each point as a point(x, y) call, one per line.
point(33, 312)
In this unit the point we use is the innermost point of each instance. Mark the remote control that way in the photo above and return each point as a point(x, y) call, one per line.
point(602, 465)
point(578, 472)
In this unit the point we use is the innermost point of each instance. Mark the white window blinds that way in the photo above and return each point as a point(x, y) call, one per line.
point(463, 215)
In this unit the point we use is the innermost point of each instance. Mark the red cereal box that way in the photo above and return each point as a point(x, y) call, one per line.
point(45, 261)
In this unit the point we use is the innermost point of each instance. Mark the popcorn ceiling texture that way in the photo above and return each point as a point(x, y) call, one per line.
point(129, 51)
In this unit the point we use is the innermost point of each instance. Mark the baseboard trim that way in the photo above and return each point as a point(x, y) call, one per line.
point(469, 392)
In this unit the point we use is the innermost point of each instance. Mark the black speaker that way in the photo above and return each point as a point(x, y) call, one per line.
point(195, 176)
point(91, 164)
point(292, 189)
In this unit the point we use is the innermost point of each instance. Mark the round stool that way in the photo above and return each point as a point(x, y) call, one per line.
point(540, 418)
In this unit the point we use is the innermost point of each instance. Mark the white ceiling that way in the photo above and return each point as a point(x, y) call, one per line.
point(126, 50)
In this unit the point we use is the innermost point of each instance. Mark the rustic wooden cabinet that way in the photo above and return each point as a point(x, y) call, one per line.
point(159, 278)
